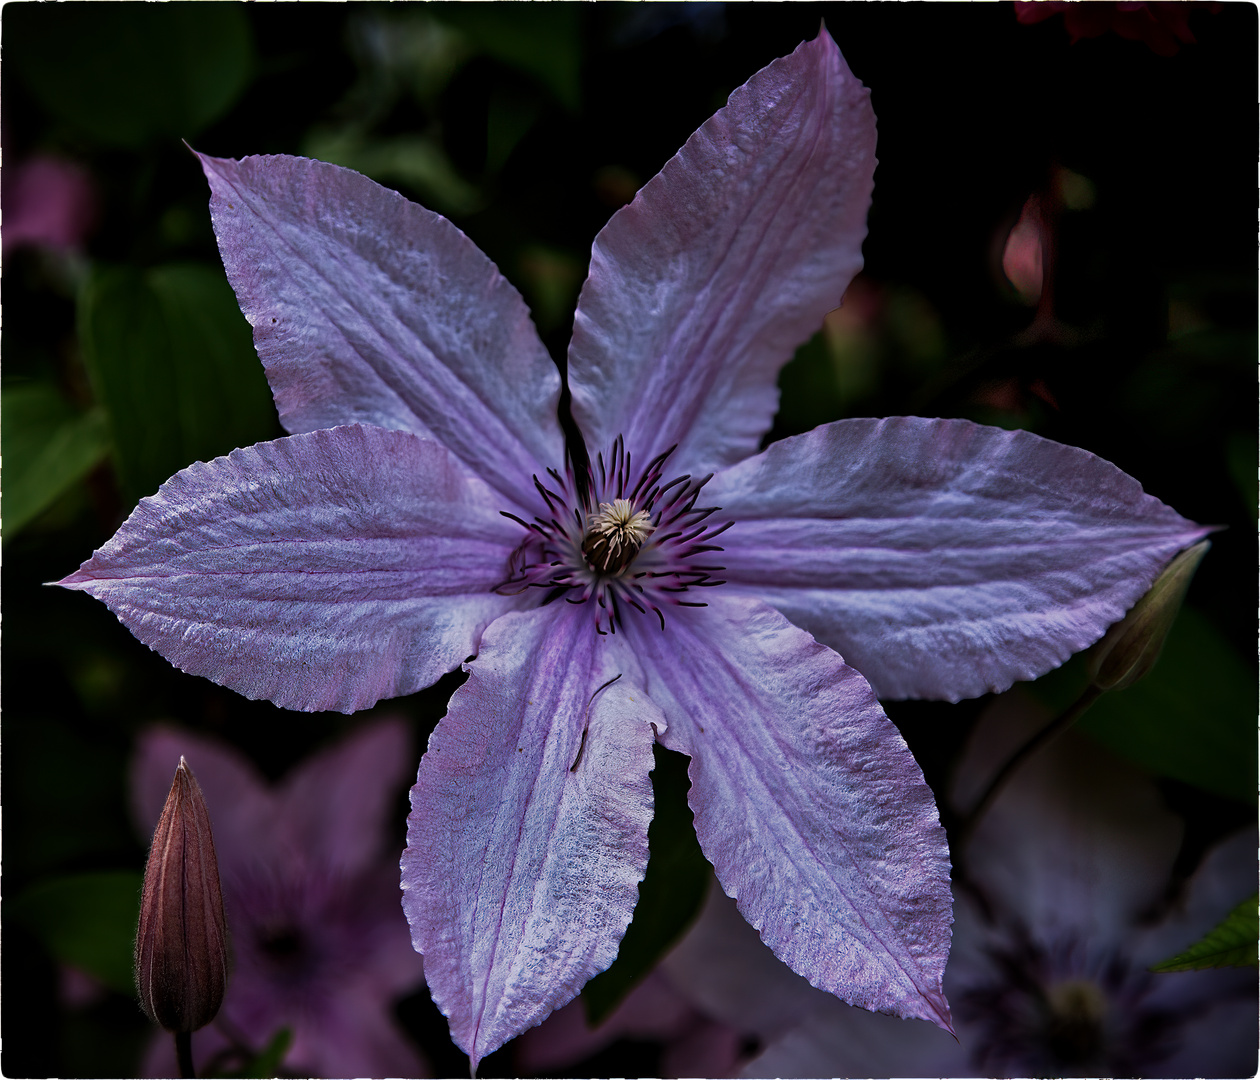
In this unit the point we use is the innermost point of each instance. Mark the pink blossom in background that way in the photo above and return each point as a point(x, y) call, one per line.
point(48, 201)
point(310, 886)
point(1022, 257)
point(656, 578)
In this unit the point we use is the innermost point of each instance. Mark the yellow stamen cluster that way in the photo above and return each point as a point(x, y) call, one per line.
point(614, 535)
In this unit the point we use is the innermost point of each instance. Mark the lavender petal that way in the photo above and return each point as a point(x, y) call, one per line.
point(941, 558)
point(368, 308)
point(807, 802)
point(320, 571)
point(528, 830)
point(702, 287)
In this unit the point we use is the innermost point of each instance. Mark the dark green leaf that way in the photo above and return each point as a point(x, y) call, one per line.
point(542, 40)
point(87, 921)
point(126, 73)
point(810, 393)
point(1231, 944)
point(171, 359)
point(1242, 454)
point(1192, 717)
point(48, 447)
point(669, 895)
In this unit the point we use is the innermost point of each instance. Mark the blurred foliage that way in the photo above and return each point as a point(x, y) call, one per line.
point(86, 921)
point(267, 1062)
point(48, 447)
point(124, 75)
point(545, 43)
point(529, 125)
point(1232, 943)
point(1192, 718)
point(171, 358)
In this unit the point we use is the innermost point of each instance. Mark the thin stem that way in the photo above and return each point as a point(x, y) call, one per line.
point(183, 1051)
point(1043, 738)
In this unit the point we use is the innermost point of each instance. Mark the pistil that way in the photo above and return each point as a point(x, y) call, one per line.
point(614, 535)
point(621, 538)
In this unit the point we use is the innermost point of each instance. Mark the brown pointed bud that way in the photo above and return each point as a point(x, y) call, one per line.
point(1131, 647)
point(181, 943)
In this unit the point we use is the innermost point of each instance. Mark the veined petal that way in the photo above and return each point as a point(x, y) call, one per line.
point(528, 829)
point(319, 571)
point(941, 558)
point(701, 288)
point(368, 308)
point(807, 802)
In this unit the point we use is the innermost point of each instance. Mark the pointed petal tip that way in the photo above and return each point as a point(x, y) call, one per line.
point(940, 1014)
point(80, 581)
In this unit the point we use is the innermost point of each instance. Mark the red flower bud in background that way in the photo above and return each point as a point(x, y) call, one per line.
point(181, 943)
point(1164, 26)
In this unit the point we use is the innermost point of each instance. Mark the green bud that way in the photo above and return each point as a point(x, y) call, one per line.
point(1130, 648)
point(181, 943)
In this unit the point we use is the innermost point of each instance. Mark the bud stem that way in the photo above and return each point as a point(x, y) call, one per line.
point(183, 1051)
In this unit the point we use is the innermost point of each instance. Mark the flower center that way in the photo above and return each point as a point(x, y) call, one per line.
point(621, 539)
point(1074, 1028)
point(1064, 1010)
point(614, 535)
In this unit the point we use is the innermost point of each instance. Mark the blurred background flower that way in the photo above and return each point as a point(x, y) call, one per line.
point(1066, 893)
point(310, 886)
point(528, 125)
point(49, 201)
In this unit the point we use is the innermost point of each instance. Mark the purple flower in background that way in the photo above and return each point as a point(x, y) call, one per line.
point(426, 512)
point(1052, 944)
point(311, 893)
point(690, 1043)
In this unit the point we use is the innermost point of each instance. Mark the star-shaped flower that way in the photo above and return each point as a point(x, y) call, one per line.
point(658, 578)
point(318, 943)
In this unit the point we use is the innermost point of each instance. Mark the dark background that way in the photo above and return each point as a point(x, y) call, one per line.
point(528, 125)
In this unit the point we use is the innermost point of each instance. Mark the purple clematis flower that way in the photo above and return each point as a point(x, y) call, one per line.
point(319, 945)
point(427, 510)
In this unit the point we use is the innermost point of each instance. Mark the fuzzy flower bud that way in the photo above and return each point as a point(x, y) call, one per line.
point(1130, 648)
point(181, 943)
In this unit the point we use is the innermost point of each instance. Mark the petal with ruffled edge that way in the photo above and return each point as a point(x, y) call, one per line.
point(727, 971)
point(702, 287)
point(807, 802)
point(368, 308)
point(941, 558)
point(319, 571)
point(528, 829)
